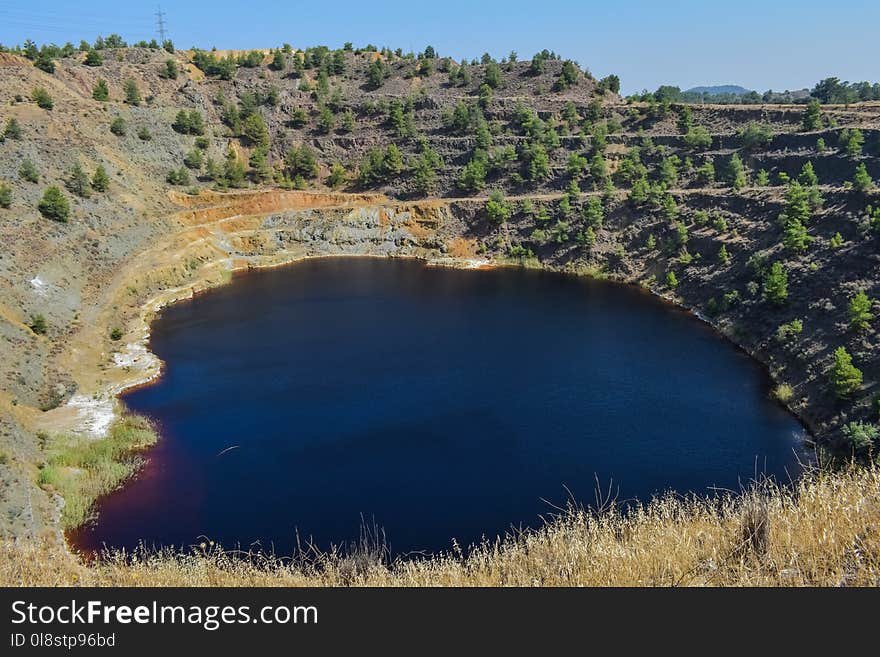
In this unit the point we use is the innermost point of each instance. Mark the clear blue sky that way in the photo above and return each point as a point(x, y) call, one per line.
point(756, 43)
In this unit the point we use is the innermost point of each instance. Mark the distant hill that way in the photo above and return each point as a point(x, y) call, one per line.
point(719, 90)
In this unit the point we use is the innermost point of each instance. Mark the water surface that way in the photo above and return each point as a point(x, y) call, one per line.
point(437, 403)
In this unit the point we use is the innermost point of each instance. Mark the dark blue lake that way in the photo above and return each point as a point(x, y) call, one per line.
point(438, 403)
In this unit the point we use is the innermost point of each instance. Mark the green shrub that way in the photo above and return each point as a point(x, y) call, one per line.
point(736, 172)
point(279, 62)
point(83, 470)
point(860, 311)
point(337, 176)
point(376, 74)
point(698, 138)
point(118, 126)
point(298, 117)
point(132, 93)
point(783, 392)
point(326, 121)
point(755, 135)
point(42, 98)
point(792, 329)
point(44, 62)
point(301, 161)
point(189, 123)
point(12, 129)
point(492, 75)
point(94, 58)
point(861, 438)
point(812, 116)
point(706, 173)
point(233, 170)
point(862, 181)
point(54, 205)
point(845, 377)
point(39, 325)
point(776, 284)
point(194, 159)
point(115, 333)
point(78, 182)
point(28, 171)
point(170, 71)
point(5, 196)
point(497, 208)
point(851, 140)
point(100, 180)
point(594, 212)
point(587, 237)
point(100, 91)
point(473, 176)
point(568, 76)
point(178, 177)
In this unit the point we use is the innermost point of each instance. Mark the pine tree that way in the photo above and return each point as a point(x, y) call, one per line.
point(594, 212)
point(393, 163)
point(497, 208)
point(845, 377)
point(256, 131)
point(862, 180)
point(337, 176)
point(78, 182)
point(233, 170)
point(100, 181)
point(813, 116)
point(54, 205)
point(492, 75)
point(776, 284)
point(279, 62)
point(101, 92)
point(132, 93)
point(326, 120)
point(376, 74)
point(860, 311)
point(261, 172)
point(94, 58)
point(42, 98)
point(28, 171)
point(170, 72)
point(118, 127)
point(736, 173)
point(12, 129)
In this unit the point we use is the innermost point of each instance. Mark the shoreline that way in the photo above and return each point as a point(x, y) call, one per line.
point(136, 366)
point(795, 437)
point(801, 441)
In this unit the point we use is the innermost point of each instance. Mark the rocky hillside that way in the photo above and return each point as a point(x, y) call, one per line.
point(764, 219)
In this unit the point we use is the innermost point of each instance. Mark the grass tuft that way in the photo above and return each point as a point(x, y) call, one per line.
point(81, 470)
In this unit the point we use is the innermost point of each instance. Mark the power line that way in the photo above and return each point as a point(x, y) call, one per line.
point(160, 19)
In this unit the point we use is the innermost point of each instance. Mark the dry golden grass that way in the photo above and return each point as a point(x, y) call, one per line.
point(825, 531)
